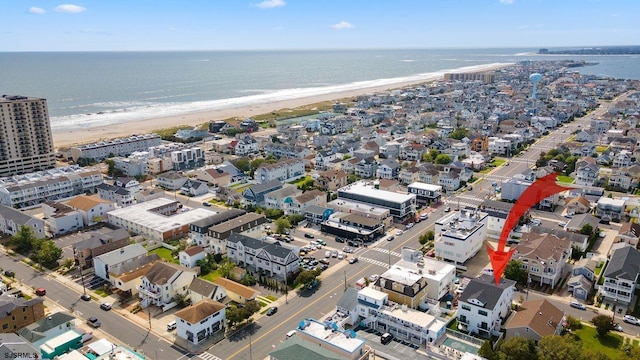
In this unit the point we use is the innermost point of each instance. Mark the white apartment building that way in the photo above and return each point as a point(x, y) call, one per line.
point(285, 170)
point(201, 321)
point(404, 323)
point(459, 235)
point(187, 158)
point(499, 146)
point(483, 305)
point(621, 276)
point(439, 275)
point(26, 144)
point(55, 184)
point(117, 147)
point(162, 282)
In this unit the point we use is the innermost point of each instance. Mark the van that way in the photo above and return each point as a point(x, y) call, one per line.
point(577, 305)
point(291, 333)
point(171, 326)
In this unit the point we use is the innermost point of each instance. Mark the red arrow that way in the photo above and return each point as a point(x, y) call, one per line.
point(540, 189)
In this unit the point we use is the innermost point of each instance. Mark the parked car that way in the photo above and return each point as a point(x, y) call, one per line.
point(41, 292)
point(374, 277)
point(562, 224)
point(105, 306)
point(399, 232)
point(207, 204)
point(85, 297)
point(94, 322)
point(325, 261)
point(340, 256)
point(409, 226)
point(172, 326)
point(617, 327)
point(339, 239)
point(577, 305)
point(309, 236)
point(321, 242)
point(9, 273)
point(631, 320)
point(327, 254)
point(353, 260)
point(386, 338)
point(334, 253)
point(272, 310)
point(447, 209)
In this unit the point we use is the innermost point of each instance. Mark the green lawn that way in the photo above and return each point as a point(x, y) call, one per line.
point(601, 148)
point(212, 276)
point(609, 344)
point(239, 190)
point(498, 161)
point(164, 254)
point(599, 268)
point(301, 180)
point(565, 179)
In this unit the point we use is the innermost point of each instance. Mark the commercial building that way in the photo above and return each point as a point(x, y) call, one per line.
point(158, 219)
point(425, 193)
point(26, 144)
point(439, 275)
point(343, 344)
point(460, 235)
point(353, 226)
point(401, 206)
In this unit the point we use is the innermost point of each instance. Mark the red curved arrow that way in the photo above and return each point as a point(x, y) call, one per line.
point(540, 189)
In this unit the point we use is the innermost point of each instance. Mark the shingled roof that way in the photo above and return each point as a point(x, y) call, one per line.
point(624, 264)
point(200, 311)
point(541, 316)
point(485, 290)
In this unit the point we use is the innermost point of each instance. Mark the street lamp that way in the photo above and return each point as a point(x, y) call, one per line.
point(84, 289)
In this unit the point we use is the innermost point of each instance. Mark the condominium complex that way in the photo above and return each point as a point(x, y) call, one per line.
point(25, 135)
point(118, 147)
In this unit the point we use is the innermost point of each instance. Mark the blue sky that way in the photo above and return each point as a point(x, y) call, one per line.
point(47, 25)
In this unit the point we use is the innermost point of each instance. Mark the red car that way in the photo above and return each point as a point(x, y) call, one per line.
point(41, 292)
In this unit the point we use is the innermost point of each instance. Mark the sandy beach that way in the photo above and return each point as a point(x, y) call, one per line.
point(66, 138)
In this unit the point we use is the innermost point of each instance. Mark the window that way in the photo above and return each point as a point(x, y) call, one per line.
point(482, 312)
point(466, 307)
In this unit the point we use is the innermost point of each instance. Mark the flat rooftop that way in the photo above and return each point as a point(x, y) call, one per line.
point(431, 268)
point(142, 215)
point(337, 338)
point(401, 276)
point(366, 188)
point(347, 205)
point(425, 186)
point(460, 224)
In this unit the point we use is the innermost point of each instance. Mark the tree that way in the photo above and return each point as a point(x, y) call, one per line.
point(305, 277)
point(486, 351)
point(243, 165)
point(517, 348)
point(592, 354)
point(282, 225)
point(443, 159)
point(47, 254)
point(24, 240)
point(431, 235)
point(225, 268)
point(459, 133)
point(603, 324)
point(515, 272)
point(556, 347)
point(587, 229)
point(573, 323)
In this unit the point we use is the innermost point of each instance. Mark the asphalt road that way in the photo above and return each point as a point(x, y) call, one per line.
point(114, 324)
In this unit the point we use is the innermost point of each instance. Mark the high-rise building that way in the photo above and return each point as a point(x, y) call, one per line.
point(26, 144)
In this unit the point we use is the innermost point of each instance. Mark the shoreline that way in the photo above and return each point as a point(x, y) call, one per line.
point(66, 138)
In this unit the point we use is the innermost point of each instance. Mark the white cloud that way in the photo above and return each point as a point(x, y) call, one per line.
point(506, 2)
point(341, 25)
point(36, 10)
point(268, 4)
point(70, 8)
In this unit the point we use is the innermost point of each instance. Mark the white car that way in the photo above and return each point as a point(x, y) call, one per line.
point(340, 255)
point(562, 224)
point(374, 277)
point(327, 254)
point(399, 232)
point(631, 320)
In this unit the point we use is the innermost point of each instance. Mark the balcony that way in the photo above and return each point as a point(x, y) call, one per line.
point(154, 294)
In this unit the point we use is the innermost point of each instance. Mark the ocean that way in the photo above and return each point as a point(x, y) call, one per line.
point(90, 89)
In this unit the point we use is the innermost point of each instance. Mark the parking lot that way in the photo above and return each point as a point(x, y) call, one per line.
point(396, 348)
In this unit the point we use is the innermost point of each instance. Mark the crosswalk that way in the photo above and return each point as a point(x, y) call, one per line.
point(208, 356)
point(386, 251)
point(375, 262)
point(492, 177)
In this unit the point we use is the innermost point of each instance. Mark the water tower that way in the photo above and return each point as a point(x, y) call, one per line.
point(535, 79)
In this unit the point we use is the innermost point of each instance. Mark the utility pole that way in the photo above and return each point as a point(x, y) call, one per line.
point(345, 280)
point(250, 351)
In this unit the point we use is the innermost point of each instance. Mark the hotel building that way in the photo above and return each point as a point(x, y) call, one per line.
point(26, 144)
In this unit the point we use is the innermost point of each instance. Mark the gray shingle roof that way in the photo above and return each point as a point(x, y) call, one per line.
point(485, 290)
point(202, 287)
point(17, 216)
point(349, 300)
point(624, 264)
